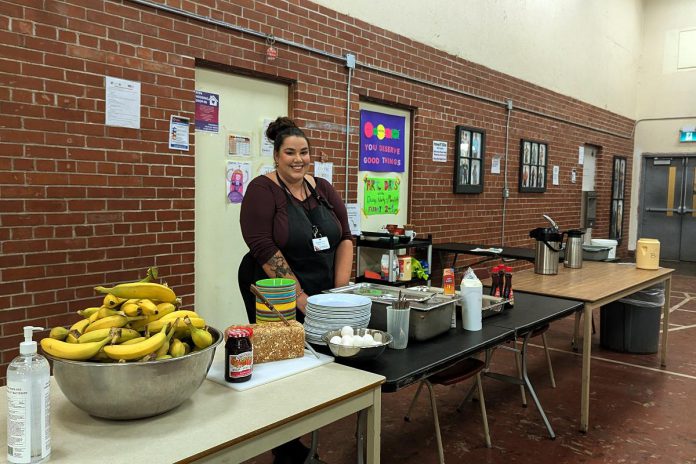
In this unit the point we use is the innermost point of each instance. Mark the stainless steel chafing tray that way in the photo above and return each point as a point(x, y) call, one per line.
point(431, 313)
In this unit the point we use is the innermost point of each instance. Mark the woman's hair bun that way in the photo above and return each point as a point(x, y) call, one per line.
point(281, 124)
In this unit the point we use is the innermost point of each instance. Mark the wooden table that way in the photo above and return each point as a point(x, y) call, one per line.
point(597, 284)
point(217, 423)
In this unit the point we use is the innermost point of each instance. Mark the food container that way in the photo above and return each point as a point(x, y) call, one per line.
point(431, 313)
point(355, 353)
point(595, 252)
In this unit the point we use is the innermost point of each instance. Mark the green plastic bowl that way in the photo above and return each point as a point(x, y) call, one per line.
point(277, 282)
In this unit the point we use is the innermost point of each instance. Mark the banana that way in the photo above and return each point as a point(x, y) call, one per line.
point(93, 317)
point(80, 326)
point(200, 337)
point(187, 348)
point(180, 313)
point(164, 349)
point(147, 307)
point(177, 348)
point(164, 356)
point(59, 333)
point(110, 321)
point(72, 337)
point(122, 335)
point(156, 326)
point(106, 312)
point(141, 290)
point(88, 311)
point(151, 275)
point(146, 358)
point(165, 308)
point(137, 350)
point(133, 340)
point(112, 301)
point(72, 351)
point(131, 309)
point(142, 323)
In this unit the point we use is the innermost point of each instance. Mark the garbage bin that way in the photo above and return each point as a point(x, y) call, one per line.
point(632, 324)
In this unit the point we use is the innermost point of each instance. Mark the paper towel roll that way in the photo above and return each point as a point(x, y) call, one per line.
point(472, 301)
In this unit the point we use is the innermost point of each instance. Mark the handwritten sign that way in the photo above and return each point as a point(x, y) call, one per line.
point(381, 195)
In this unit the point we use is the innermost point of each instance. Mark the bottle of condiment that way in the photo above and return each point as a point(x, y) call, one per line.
point(508, 294)
point(501, 281)
point(239, 355)
point(494, 281)
point(448, 281)
point(28, 409)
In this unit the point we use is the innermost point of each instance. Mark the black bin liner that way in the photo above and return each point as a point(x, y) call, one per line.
point(632, 324)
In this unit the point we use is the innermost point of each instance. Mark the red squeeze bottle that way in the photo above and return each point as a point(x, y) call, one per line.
point(509, 294)
point(494, 280)
point(500, 291)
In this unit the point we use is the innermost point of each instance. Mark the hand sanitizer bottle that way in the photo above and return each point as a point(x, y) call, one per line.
point(28, 409)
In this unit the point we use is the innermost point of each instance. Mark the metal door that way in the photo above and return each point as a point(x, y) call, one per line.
point(668, 199)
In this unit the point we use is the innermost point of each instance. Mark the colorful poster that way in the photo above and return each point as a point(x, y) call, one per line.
point(381, 195)
point(178, 133)
point(207, 111)
point(381, 142)
point(238, 175)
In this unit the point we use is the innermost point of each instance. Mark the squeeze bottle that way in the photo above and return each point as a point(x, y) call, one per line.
point(471, 292)
point(28, 408)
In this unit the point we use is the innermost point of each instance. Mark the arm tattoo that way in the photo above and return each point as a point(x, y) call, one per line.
point(280, 267)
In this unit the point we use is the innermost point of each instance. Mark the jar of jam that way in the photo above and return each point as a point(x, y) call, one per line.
point(239, 354)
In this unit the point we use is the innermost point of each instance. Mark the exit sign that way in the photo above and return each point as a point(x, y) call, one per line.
point(687, 136)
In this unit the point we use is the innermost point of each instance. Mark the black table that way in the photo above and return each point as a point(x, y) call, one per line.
point(511, 253)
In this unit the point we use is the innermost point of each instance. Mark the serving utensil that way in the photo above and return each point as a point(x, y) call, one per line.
point(255, 290)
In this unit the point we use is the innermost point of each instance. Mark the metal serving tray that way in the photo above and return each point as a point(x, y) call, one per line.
point(431, 313)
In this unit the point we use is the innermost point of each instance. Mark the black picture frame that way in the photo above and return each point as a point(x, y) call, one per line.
point(469, 157)
point(534, 162)
point(618, 198)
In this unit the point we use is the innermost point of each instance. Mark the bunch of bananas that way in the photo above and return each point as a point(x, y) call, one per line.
point(136, 321)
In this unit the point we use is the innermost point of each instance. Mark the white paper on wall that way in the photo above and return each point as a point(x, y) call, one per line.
point(495, 165)
point(439, 151)
point(556, 171)
point(238, 176)
point(353, 218)
point(324, 170)
point(266, 144)
point(122, 103)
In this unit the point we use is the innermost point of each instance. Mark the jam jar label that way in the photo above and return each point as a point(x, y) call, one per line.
point(239, 365)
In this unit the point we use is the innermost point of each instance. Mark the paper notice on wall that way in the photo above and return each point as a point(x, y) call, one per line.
point(178, 133)
point(239, 144)
point(555, 172)
point(238, 176)
point(439, 151)
point(266, 144)
point(581, 155)
point(381, 195)
point(495, 165)
point(207, 111)
point(353, 218)
point(122, 103)
point(324, 170)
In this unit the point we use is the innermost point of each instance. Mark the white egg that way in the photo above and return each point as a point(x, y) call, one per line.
point(374, 343)
point(368, 339)
point(359, 341)
point(347, 340)
point(335, 340)
point(378, 337)
point(346, 330)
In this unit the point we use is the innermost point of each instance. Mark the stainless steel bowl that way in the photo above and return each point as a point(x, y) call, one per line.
point(133, 390)
point(357, 353)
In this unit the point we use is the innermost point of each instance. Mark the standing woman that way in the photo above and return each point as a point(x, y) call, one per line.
point(295, 225)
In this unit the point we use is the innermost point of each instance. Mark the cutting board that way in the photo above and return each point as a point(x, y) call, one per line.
point(265, 372)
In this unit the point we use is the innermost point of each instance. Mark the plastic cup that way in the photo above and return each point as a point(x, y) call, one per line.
point(397, 326)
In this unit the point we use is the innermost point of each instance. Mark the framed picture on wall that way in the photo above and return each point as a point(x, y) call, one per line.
point(533, 164)
point(468, 160)
point(618, 183)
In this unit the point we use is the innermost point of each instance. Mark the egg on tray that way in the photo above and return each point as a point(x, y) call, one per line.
point(348, 338)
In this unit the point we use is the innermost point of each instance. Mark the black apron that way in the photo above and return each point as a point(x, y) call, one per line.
point(314, 269)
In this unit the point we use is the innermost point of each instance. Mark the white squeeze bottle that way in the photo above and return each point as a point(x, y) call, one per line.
point(471, 293)
point(28, 408)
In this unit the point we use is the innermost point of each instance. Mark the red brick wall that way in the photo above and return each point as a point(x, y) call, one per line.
point(83, 204)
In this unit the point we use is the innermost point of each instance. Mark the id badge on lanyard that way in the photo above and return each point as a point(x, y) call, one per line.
point(319, 242)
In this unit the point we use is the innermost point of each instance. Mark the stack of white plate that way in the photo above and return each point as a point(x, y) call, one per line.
point(331, 311)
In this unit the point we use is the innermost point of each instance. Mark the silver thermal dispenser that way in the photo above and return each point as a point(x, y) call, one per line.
point(549, 242)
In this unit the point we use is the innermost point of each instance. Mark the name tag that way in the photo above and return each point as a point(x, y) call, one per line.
point(321, 243)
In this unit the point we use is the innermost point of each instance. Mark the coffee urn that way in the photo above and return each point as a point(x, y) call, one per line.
point(573, 249)
point(549, 242)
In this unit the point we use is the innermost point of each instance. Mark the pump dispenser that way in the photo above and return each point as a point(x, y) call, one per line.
point(28, 408)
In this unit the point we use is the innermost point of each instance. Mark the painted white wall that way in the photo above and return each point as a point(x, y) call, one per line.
point(586, 49)
point(664, 89)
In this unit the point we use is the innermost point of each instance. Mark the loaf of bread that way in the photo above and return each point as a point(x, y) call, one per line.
point(273, 341)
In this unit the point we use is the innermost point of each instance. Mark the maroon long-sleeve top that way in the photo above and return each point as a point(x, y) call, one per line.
point(264, 216)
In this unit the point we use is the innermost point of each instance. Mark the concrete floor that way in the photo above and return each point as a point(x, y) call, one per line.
point(638, 412)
